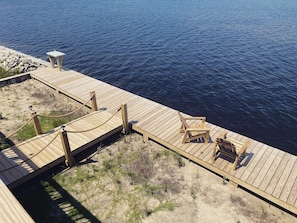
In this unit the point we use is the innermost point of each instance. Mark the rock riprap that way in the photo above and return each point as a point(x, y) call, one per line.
point(15, 61)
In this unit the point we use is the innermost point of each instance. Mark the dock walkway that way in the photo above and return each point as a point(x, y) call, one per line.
point(26, 160)
point(269, 172)
point(266, 171)
point(11, 210)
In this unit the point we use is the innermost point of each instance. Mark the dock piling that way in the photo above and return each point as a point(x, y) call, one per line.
point(65, 143)
point(125, 119)
point(36, 123)
point(93, 101)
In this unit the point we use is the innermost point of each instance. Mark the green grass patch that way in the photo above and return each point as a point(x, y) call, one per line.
point(4, 73)
point(166, 206)
point(46, 124)
point(116, 186)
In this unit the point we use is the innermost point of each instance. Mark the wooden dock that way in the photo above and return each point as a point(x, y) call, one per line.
point(266, 171)
point(11, 210)
point(269, 172)
point(24, 161)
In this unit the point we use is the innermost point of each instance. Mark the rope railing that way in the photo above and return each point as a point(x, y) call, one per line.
point(87, 130)
point(39, 115)
point(3, 138)
point(70, 113)
point(65, 142)
point(30, 157)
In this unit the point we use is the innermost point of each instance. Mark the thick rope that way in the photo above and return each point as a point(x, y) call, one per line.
point(29, 158)
point(17, 129)
point(58, 116)
point(70, 113)
point(98, 125)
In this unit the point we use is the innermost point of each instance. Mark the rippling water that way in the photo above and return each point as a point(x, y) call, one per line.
point(234, 62)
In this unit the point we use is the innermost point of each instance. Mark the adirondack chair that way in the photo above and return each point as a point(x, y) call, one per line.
point(193, 131)
point(229, 147)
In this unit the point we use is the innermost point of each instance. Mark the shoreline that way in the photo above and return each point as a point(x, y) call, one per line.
point(13, 60)
point(204, 205)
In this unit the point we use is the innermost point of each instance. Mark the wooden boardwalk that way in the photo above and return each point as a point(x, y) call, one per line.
point(11, 210)
point(24, 161)
point(266, 171)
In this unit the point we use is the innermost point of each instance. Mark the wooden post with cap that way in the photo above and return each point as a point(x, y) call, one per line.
point(125, 119)
point(35, 119)
point(69, 160)
point(93, 101)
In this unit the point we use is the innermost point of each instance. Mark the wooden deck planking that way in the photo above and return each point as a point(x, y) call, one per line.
point(38, 155)
point(277, 174)
point(203, 152)
point(289, 186)
point(65, 78)
point(153, 123)
point(284, 177)
point(139, 114)
point(292, 199)
point(166, 128)
point(265, 168)
point(261, 174)
point(259, 166)
point(21, 168)
point(251, 149)
point(258, 152)
point(11, 210)
point(267, 178)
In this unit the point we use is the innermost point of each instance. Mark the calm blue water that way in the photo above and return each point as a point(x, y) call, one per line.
point(233, 61)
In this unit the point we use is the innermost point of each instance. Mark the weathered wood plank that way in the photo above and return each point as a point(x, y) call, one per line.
point(292, 199)
point(284, 177)
point(259, 165)
point(11, 210)
point(265, 168)
point(289, 186)
point(275, 179)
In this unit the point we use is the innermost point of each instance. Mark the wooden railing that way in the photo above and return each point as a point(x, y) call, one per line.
point(63, 132)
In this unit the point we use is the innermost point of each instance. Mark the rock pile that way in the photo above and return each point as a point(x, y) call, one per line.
point(16, 61)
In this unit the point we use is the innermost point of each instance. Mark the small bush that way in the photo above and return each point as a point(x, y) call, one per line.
point(107, 165)
point(4, 73)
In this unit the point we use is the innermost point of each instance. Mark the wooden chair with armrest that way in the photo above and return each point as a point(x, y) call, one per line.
point(193, 131)
point(229, 147)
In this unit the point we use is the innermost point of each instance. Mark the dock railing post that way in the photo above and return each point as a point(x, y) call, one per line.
point(125, 119)
point(65, 143)
point(36, 123)
point(94, 101)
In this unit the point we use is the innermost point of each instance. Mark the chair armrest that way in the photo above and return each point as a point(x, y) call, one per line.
point(197, 129)
point(244, 147)
point(223, 135)
point(195, 118)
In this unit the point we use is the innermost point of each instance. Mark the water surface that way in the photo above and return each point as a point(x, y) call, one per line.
point(231, 61)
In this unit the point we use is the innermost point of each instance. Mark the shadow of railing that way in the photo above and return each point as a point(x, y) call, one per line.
point(46, 201)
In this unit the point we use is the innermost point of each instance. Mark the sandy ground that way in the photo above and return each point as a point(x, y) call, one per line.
point(199, 195)
point(202, 196)
point(16, 98)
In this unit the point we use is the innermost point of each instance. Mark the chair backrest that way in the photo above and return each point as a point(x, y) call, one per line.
point(185, 124)
point(226, 145)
